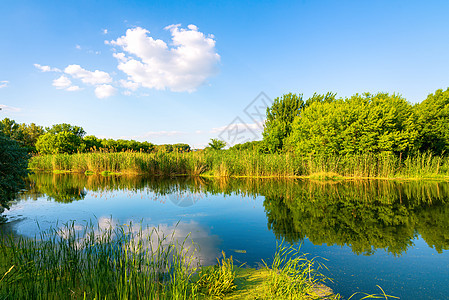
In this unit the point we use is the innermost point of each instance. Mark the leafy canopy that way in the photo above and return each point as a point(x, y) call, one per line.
point(217, 144)
point(279, 120)
point(374, 123)
point(13, 168)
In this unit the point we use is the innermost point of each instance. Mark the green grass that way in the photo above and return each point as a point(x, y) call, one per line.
point(129, 262)
point(227, 163)
point(96, 263)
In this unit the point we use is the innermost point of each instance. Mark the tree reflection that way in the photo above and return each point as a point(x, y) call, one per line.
point(364, 215)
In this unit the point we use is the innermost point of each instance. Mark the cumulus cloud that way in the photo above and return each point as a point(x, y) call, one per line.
point(4, 84)
point(151, 63)
point(105, 91)
point(46, 68)
point(64, 83)
point(93, 78)
point(130, 85)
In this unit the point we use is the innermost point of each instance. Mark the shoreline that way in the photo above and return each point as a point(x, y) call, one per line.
point(317, 176)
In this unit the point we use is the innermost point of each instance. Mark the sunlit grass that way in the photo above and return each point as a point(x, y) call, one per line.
point(229, 163)
point(129, 262)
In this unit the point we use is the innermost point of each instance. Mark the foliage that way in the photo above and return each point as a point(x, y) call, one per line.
point(173, 148)
point(96, 262)
point(251, 146)
point(94, 144)
point(279, 120)
point(217, 280)
point(433, 119)
point(363, 123)
point(61, 142)
point(216, 144)
point(13, 167)
point(64, 127)
point(291, 275)
point(227, 163)
point(26, 135)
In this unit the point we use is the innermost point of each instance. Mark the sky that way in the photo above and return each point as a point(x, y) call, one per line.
point(189, 71)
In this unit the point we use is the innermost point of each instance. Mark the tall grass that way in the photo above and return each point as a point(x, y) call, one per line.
point(292, 275)
point(125, 262)
point(96, 263)
point(248, 163)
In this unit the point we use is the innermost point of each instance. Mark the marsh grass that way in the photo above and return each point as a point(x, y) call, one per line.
point(217, 280)
point(227, 163)
point(129, 262)
point(96, 263)
point(292, 275)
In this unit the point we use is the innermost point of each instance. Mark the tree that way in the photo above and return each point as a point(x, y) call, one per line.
point(62, 142)
point(26, 135)
point(58, 128)
point(30, 134)
point(280, 117)
point(13, 168)
point(433, 119)
point(217, 144)
point(374, 123)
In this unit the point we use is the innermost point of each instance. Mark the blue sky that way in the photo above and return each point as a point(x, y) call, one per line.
point(181, 71)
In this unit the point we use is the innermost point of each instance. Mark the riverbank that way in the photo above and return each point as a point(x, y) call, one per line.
point(131, 262)
point(227, 163)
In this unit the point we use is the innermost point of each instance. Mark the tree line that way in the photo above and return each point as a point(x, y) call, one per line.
point(376, 123)
point(67, 138)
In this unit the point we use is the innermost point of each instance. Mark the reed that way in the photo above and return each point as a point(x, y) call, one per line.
point(96, 263)
point(229, 163)
point(129, 262)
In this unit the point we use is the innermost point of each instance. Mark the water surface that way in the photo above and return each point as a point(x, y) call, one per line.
point(386, 233)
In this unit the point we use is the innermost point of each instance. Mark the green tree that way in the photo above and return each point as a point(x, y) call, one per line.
point(91, 143)
point(62, 142)
point(13, 168)
point(217, 144)
point(374, 123)
point(10, 128)
point(433, 119)
point(26, 135)
point(30, 134)
point(279, 121)
point(58, 128)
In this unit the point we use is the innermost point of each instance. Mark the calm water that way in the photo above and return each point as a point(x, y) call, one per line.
point(391, 234)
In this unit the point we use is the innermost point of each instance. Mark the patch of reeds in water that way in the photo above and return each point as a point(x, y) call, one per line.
point(228, 163)
point(96, 263)
point(122, 262)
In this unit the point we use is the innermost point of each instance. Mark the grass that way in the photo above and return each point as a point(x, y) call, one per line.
point(96, 263)
point(129, 262)
point(227, 163)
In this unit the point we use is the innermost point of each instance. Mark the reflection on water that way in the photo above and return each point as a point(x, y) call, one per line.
point(364, 215)
point(387, 233)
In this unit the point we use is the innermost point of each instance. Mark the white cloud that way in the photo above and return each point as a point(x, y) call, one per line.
point(78, 47)
point(9, 108)
point(46, 68)
point(73, 88)
point(130, 85)
point(150, 62)
point(93, 78)
point(105, 91)
point(63, 83)
point(4, 84)
point(105, 31)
